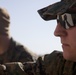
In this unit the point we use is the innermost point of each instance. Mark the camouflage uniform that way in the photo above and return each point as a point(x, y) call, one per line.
point(16, 53)
point(50, 64)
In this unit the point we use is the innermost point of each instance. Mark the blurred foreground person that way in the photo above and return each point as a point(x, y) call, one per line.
point(10, 50)
point(56, 63)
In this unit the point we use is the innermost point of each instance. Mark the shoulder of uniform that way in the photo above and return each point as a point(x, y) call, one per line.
point(54, 56)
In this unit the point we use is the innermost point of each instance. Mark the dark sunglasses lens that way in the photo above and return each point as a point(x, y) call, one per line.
point(66, 20)
point(62, 23)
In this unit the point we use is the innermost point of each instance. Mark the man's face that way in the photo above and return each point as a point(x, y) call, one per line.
point(68, 41)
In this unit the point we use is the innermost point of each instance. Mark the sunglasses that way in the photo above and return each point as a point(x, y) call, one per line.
point(67, 20)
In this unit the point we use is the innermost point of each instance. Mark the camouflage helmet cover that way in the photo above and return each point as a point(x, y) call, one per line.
point(50, 12)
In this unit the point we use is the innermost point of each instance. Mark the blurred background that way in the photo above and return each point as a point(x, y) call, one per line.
point(28, 28)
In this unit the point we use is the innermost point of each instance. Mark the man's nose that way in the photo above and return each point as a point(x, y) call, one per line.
point(60, 31)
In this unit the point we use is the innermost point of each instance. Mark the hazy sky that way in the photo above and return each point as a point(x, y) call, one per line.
point(28, 28)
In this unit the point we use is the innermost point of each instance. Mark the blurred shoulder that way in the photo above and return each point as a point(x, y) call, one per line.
point(54, 57)
point(55, 54)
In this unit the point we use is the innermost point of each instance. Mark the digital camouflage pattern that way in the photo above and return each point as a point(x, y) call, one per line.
point(51, 64)
point(16, 53)
point(50, 12)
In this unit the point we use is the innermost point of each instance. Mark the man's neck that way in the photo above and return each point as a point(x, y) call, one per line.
point(4, 44)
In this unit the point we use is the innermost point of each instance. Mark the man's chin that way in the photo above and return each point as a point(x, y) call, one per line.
point(68, 57)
